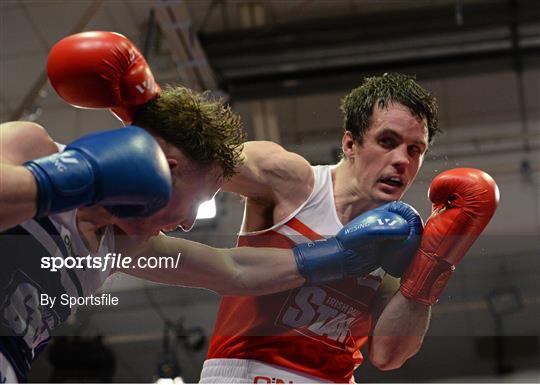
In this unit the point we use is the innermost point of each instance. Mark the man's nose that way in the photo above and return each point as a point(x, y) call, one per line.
point(400, 158)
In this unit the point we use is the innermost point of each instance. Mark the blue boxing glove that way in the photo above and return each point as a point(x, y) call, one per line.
point(396, 256)
point(386, 237)
point(123, 170)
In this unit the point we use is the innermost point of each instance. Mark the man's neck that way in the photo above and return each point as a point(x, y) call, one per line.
point(349, 200)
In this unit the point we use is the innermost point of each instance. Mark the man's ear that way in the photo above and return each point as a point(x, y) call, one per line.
point(347, 143)
point(173, 163)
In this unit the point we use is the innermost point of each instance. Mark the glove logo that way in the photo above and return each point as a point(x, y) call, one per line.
point(63, 160)
point(144, 86)
point(386, 222)
point(355, 228)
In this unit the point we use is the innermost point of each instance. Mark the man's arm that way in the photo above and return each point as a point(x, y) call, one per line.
point(266, 175)
point(20, 142)
point(399, 331)
point(260, 271)
point(241, 270)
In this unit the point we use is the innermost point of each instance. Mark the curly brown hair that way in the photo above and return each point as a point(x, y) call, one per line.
point(204, 128)
point(390, 87)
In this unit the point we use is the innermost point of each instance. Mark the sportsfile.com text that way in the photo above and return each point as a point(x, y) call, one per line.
point(109, 261)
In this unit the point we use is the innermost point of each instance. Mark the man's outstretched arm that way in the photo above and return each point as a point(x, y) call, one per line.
point(260, 271)
point(240, 270)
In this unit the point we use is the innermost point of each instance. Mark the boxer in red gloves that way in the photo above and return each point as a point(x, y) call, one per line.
point(314, 333)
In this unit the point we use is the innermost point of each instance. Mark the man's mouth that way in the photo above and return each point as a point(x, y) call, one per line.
point(393, 181)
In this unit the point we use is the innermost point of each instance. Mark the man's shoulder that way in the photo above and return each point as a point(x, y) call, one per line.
point(278, 163)
point(23, 141)
point(269, 171)
point(274, 181)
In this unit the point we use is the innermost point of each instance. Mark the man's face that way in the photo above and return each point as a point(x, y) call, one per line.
point(192, 185)
point(391, 154)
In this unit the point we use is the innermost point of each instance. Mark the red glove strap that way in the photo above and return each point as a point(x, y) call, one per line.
point(425, 278)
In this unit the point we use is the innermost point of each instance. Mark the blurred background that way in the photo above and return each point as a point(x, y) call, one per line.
point(284, 65)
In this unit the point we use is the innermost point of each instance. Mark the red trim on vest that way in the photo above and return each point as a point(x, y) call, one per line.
point(303, 229)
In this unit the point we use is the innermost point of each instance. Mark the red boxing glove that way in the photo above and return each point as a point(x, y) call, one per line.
point(101, 70)
point(464, 200)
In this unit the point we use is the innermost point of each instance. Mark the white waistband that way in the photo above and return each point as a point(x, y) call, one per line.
point(231, 370)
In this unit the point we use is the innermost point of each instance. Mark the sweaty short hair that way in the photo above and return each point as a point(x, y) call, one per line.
point(204, 128)
point(358, 104)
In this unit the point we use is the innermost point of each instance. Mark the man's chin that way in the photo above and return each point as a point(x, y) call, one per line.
point(384, 197)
